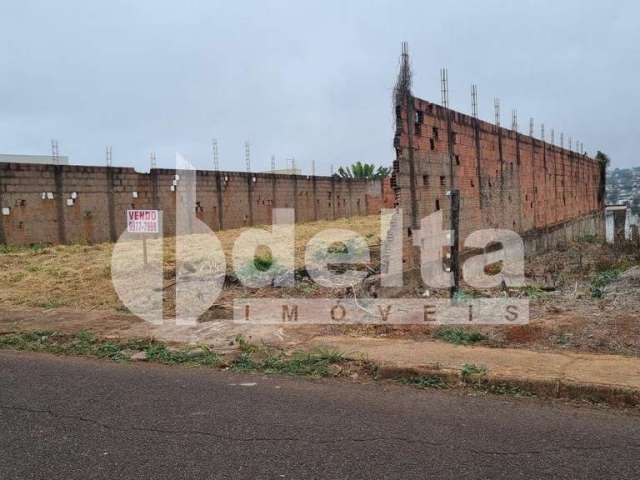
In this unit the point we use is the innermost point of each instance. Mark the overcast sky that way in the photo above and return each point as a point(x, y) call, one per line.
point(306, 80)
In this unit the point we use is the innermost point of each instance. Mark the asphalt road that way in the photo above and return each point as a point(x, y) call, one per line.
point(77, 418)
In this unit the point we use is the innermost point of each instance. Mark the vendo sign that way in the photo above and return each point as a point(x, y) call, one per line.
point(143, 221)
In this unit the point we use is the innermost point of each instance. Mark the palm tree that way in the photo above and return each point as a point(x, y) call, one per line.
point(363, 170)
point(603, 158)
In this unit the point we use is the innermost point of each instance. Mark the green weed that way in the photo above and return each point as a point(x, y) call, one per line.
point(533, 291)
point(87, 344)
point(459, 336)
point(425, 381)
point(471, 370)
point(502, 389)
point(313, 364)
point(602, 279)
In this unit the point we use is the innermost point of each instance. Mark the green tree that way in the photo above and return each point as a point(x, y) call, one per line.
point(603, 158)
point(363, 170)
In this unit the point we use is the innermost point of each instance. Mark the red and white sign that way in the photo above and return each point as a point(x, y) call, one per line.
point(143, 221)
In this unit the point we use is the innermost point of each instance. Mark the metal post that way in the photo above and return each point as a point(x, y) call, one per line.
point(474, 101)
point(444, 87)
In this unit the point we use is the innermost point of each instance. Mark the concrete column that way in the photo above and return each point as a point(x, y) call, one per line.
point(535, 186)
point(219, 195)
point(113, 235)
point(3, 238)
point(315, 198)
point(519, 183)
point(155, 190)
point(295, 197)
point(250, 196)
point(59, 180)
point(333, 197)
point(476, 130)
point(413, 185)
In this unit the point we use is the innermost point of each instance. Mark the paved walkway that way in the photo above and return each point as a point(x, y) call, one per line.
point(578, 368)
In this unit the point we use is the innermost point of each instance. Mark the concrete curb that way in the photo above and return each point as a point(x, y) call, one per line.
point(613, 395)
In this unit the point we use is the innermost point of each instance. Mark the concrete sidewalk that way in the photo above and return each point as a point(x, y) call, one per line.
point(556, 373)
point(611, 378)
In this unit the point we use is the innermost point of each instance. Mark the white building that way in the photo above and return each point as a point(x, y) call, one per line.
point(619, 223)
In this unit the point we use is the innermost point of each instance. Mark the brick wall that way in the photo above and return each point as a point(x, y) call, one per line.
point(42, 209)
point(506, 180)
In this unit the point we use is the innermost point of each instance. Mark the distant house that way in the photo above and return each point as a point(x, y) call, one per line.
point(620, 223)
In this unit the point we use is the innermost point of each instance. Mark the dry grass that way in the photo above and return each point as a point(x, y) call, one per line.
point(79, 276)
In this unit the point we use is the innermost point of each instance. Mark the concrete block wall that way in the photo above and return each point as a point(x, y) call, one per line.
point(506, 180)
point(80, 204)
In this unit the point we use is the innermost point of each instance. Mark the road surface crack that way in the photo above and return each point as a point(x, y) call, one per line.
point(219, 436)
point(334, 440)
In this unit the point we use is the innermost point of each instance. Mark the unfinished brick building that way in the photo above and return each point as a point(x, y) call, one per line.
point(502, 179)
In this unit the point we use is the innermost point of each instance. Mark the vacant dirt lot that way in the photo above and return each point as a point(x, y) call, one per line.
point(78, 277)
point(585, 297)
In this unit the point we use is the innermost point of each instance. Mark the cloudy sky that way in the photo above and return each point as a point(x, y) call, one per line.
point(310, 80)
